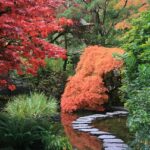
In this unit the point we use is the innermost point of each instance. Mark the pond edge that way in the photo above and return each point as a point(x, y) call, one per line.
point(110, 141)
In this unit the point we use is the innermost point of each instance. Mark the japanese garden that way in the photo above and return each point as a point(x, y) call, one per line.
point(74, 75)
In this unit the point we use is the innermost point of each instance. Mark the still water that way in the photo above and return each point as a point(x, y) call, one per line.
point(85, 141)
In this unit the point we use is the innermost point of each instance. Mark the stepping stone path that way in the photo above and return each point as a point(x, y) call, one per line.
point(110, 142)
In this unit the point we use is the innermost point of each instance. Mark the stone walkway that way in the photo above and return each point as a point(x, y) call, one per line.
point(110, 142)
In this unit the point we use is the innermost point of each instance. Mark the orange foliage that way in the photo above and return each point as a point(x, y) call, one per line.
point(142, 5)
point(131, 3)
point(80, 140)
point(86, 89)
point(122, 25)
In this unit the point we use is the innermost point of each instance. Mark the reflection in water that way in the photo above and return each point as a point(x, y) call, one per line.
point(79, 140)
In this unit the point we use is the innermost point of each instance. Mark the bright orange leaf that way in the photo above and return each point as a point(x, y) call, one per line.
point(86, 89)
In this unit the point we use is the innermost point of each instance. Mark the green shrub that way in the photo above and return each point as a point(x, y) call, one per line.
point(30, 134)
point(136, 80)
point(35, 105)
point(51, 79)
point(53, 142)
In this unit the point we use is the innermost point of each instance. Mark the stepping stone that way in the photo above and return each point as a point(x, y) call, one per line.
point(117, 113)
point(88, 130)
point(84, 127)
point(121, 145)
point(99, 133)
point(122, 112)
point(83, 119)
point(111, 114)
point(81, 125)
point(81, 122)
point(106, 137)
point(115, 148)
point(98, 116)
point(113, 141)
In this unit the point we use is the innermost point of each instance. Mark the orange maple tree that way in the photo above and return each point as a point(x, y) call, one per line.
point(86, 89)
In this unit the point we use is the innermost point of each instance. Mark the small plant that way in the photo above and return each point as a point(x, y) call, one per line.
point(34, 106)
point(53, 142)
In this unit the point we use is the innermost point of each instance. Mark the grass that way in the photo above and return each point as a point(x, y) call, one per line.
point(35, 106)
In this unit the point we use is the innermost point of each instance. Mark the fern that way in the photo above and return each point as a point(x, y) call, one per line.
point(33, 106)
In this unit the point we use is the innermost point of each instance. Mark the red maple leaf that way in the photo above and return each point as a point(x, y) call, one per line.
point(11, 87)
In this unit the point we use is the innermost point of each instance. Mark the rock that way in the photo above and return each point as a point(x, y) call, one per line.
point(121, 112)
point(85, 119)
point(98, 116)
point(82, 127)
point(117, 113)
point(121, 145)
point(113, 141)
point(110, 113)
point(88, 130)
point(115, 148)
point(106, 137)
point(81, 122)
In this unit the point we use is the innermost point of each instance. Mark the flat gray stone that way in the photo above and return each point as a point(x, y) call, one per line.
point(106, 137)
point(81, 122)
point(113, 141)
point(122, 112)
point(115, 148)
point(83, 119)
point(88, 130)
point(117, 113)
point(110, 114)
point(122, 145)
point(82, 127)
point(99, 133)
point(98, 116)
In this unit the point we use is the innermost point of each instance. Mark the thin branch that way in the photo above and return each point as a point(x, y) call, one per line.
point(53, 40)
point(105, 10)
point(114, 23)
point(125, 4)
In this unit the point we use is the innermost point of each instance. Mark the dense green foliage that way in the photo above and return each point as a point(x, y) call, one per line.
point(51, 79)
point(136, 82)
point(26, 124)
point(96, 20)
point(30, 134)
point(33, 106)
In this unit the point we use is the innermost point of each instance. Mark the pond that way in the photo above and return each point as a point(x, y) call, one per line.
point(116, 126)
point(85, 141)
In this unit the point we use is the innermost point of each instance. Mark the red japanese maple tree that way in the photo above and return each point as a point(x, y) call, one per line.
point(24, 25)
